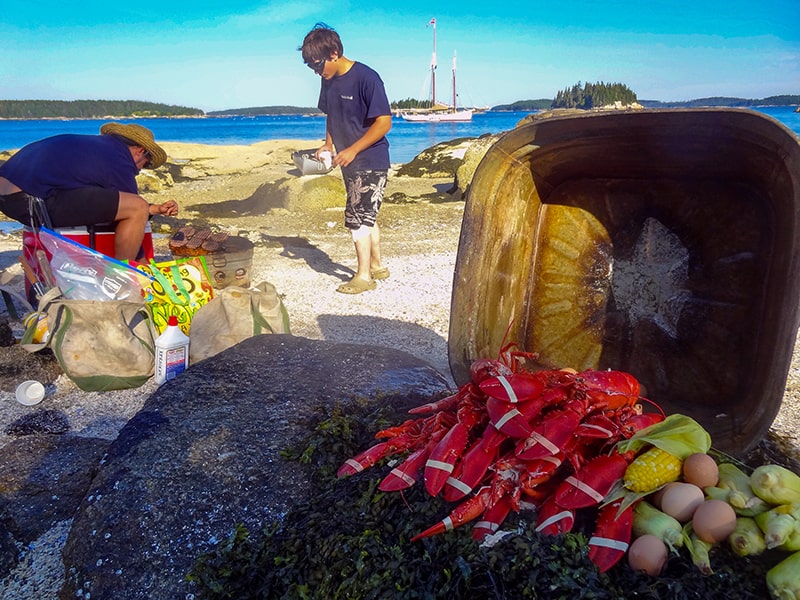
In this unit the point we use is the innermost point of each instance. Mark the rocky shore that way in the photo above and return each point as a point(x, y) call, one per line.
point(301, 247)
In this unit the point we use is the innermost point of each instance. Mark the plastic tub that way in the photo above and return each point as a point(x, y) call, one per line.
point(663, 243)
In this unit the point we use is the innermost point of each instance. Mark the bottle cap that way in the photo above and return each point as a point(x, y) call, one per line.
point(30, 392)
point(172, 321)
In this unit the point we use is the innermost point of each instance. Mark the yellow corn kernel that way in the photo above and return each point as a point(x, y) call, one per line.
point(652, 469)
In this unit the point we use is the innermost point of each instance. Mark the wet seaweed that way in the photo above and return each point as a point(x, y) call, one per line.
point(352, 541)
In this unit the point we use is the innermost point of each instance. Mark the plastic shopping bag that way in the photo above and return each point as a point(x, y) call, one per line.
point(85, 274)
point(178, 287)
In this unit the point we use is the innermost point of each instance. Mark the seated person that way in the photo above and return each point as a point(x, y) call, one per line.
point(87, 180)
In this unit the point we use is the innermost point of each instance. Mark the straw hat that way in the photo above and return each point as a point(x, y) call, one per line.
point(141, 136)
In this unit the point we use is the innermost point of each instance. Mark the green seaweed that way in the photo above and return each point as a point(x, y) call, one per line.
point(352, 541)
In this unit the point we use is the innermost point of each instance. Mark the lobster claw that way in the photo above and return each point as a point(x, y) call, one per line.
point(443, 457)
point(365, 459)
point(592, 483)
point(493, 517)
point(553, 519)
point(513, 419)
point(550, 436)
point(473, 466)
point(463, 513)
point(406, 473)
point(612, 536)
point(514, 388)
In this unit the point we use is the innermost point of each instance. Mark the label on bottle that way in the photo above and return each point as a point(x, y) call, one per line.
point(174, 362)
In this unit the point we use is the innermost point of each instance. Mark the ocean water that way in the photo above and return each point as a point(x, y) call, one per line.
point(406, 139)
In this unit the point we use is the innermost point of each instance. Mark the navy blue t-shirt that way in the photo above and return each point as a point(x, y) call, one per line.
point(352, 102)
point(70, 161)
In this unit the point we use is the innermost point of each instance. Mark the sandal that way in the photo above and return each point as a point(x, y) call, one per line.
point(356, 286)
point(382, 273)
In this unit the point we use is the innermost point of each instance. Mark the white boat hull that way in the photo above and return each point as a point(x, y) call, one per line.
point(447, 117)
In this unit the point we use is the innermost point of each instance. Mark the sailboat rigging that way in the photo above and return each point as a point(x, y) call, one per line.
point(448, 113)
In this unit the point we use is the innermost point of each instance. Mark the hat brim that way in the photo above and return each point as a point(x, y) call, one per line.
point(141, 136)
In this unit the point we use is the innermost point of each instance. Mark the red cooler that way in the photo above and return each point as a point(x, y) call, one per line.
point(103, 243)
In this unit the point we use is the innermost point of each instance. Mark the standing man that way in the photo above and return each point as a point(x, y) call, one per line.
point(87, 180)
point(358, 118)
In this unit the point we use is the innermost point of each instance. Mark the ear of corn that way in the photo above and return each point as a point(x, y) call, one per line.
point(648, 519)
point(698, 549)
point(775, 484)
point(781, 527)
point(747, 539)
point(652, 469)
point(740, 493)
point(783, 580)
point(751, 508)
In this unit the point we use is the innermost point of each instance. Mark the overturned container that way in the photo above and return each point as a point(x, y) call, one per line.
point(663, 243)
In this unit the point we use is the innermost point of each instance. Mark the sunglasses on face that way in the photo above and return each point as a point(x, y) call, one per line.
point(317, 65)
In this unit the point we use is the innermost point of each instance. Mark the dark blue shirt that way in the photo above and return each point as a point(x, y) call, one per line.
point(352, 102)
point(71, 161)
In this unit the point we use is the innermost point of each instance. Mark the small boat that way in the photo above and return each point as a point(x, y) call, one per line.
point(308, 165)
point(440, 113)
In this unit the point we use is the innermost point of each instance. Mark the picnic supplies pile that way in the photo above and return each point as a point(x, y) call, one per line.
point(102, 317)
point(229, 258)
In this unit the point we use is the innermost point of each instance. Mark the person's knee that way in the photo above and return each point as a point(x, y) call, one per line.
point(132, 206)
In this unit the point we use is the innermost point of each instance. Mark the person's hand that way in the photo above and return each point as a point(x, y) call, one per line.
point(168, 208)
point(345, 157)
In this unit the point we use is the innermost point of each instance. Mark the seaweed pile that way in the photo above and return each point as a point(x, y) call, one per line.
point(352, 541)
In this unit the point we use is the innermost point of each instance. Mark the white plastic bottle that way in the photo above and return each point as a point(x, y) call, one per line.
point(172, 352)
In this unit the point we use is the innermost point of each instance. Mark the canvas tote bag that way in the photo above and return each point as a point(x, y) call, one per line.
point(100, 344)
point(234, 315)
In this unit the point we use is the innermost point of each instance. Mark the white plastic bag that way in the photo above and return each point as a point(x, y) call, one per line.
point(85, 274)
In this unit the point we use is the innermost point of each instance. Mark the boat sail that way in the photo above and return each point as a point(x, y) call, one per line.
point(448, 113)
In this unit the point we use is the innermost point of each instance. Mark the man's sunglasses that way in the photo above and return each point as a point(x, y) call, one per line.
point(317, 65)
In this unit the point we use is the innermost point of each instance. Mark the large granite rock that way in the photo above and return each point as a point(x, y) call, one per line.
point(43, 478)
point(203, 455)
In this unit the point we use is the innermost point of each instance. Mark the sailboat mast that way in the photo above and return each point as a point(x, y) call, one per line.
point(454, 82)
point(433, 65)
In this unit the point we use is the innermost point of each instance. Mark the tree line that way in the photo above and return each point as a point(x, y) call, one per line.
point(90, 109)
point(594, 95)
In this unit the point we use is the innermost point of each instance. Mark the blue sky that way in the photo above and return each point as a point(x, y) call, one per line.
point(239, 53)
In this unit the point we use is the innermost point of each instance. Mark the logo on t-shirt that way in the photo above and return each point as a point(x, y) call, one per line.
point(343, 97)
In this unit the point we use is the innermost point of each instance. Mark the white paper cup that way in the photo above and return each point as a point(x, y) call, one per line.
point(30, 392)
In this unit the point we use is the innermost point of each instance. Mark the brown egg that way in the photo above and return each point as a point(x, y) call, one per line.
point(701, 470)
point(714, 521)
point(648, 553)
point(681, 499)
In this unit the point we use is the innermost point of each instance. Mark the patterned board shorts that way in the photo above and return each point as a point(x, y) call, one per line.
point(364, 197)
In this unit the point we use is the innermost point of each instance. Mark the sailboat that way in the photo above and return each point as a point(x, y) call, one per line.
point(449, 114)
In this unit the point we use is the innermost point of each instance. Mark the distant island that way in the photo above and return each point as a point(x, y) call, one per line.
point(577, 96)
point(91, 109)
